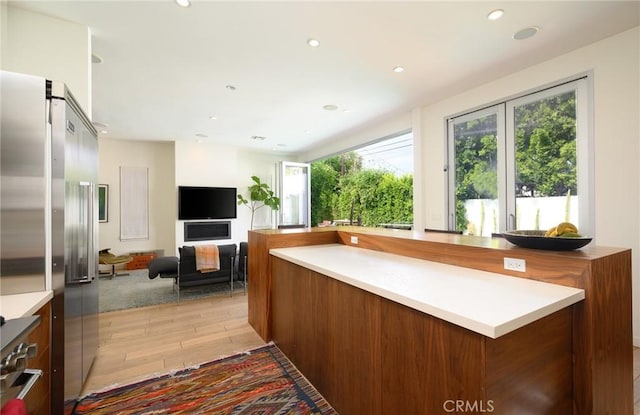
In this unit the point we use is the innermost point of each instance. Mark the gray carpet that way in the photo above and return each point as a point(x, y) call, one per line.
point(137, 290)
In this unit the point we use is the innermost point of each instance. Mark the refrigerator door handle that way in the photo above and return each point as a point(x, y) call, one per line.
point(84, 249)
point(92, 258)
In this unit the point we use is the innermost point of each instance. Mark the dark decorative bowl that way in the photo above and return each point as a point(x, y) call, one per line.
point(537, 240)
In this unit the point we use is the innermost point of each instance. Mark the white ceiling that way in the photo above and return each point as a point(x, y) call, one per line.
point(166, 68)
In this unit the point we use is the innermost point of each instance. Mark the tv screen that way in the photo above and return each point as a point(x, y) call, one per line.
point(207, 203)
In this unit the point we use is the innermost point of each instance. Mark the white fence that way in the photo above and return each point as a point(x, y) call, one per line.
point(549, 212)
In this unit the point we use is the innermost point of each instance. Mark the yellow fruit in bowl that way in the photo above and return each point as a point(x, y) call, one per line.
point(565, 227)
point(571, 235)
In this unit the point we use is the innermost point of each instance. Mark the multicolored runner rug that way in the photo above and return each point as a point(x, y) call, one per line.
point(260, 382)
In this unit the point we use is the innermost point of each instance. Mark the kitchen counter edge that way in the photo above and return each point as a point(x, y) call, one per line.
point(24, 304)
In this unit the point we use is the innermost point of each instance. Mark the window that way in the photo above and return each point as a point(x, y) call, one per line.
point(294, 194)
point(521, 164)
point(371, 185)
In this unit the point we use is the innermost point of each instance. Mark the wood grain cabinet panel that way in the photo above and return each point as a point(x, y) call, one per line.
point(284, 312)
point(354, 336)
point(330, 331)
point(427, 362)
point(369, 355)
point(39, 398)
point(530, 370)
point(259, 268)
point(311, 326)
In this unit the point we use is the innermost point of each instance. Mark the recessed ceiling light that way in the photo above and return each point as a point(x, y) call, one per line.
point(330, 107)
point(183, 3)
point(346, 110)
point(230, 87)
point(495, 14)
point(213, 117)
point(398, 69)
point(258, 137)
point(314, 43)
point(526, 33)
point(202, 135)
point(103, 131)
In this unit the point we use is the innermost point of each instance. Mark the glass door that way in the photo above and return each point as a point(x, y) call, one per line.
point(524, 164)
point(542, 133)
point(477, 156)
point(294, 191)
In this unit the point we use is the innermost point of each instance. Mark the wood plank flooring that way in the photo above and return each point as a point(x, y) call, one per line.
point(139, 343)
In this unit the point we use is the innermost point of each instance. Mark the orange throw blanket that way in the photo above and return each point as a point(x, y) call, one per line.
point(207, 258)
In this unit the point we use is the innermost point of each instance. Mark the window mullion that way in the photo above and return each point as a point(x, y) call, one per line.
point(506, 180)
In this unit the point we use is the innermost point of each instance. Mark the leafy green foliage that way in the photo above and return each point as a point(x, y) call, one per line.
point(546, 147)
point(341, 189)
point(345, 163)
point(476, 149)
point(324, 184)
point(260, 195)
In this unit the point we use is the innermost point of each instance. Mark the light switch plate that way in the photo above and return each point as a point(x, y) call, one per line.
point(354, 240)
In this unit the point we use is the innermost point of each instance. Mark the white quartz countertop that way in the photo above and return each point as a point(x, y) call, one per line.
point(23, 305)
point(487, 303)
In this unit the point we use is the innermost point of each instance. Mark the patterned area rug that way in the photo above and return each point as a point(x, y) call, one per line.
point(137, 290)
point(260, 382)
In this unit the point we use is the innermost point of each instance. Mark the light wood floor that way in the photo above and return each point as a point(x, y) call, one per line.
point(139, 343)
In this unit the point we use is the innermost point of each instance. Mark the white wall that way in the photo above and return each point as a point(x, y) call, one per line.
point(40, 45)
point(201, 164)
point(158, 157)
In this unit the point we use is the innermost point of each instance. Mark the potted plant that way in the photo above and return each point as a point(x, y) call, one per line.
point(260, 195)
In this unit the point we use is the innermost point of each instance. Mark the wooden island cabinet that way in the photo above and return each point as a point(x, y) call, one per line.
point(372, 340)
point(39, 397)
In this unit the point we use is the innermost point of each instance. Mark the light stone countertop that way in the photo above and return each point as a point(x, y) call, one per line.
point(23, 305)
point(487, 303)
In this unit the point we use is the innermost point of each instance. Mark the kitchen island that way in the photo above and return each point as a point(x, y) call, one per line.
point(369, 351)
point(487, 303)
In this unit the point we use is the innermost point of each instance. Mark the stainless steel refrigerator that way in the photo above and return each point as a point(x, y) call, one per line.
point(48, 218)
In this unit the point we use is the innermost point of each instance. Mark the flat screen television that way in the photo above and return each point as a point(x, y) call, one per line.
point(207, 203)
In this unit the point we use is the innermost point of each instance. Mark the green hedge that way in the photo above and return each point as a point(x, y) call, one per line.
point(370, 196)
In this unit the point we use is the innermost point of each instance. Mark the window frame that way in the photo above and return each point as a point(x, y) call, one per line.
point(583, 87)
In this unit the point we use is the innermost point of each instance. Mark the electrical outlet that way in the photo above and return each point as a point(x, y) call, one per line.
point(354, 240)
point(515, 264)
